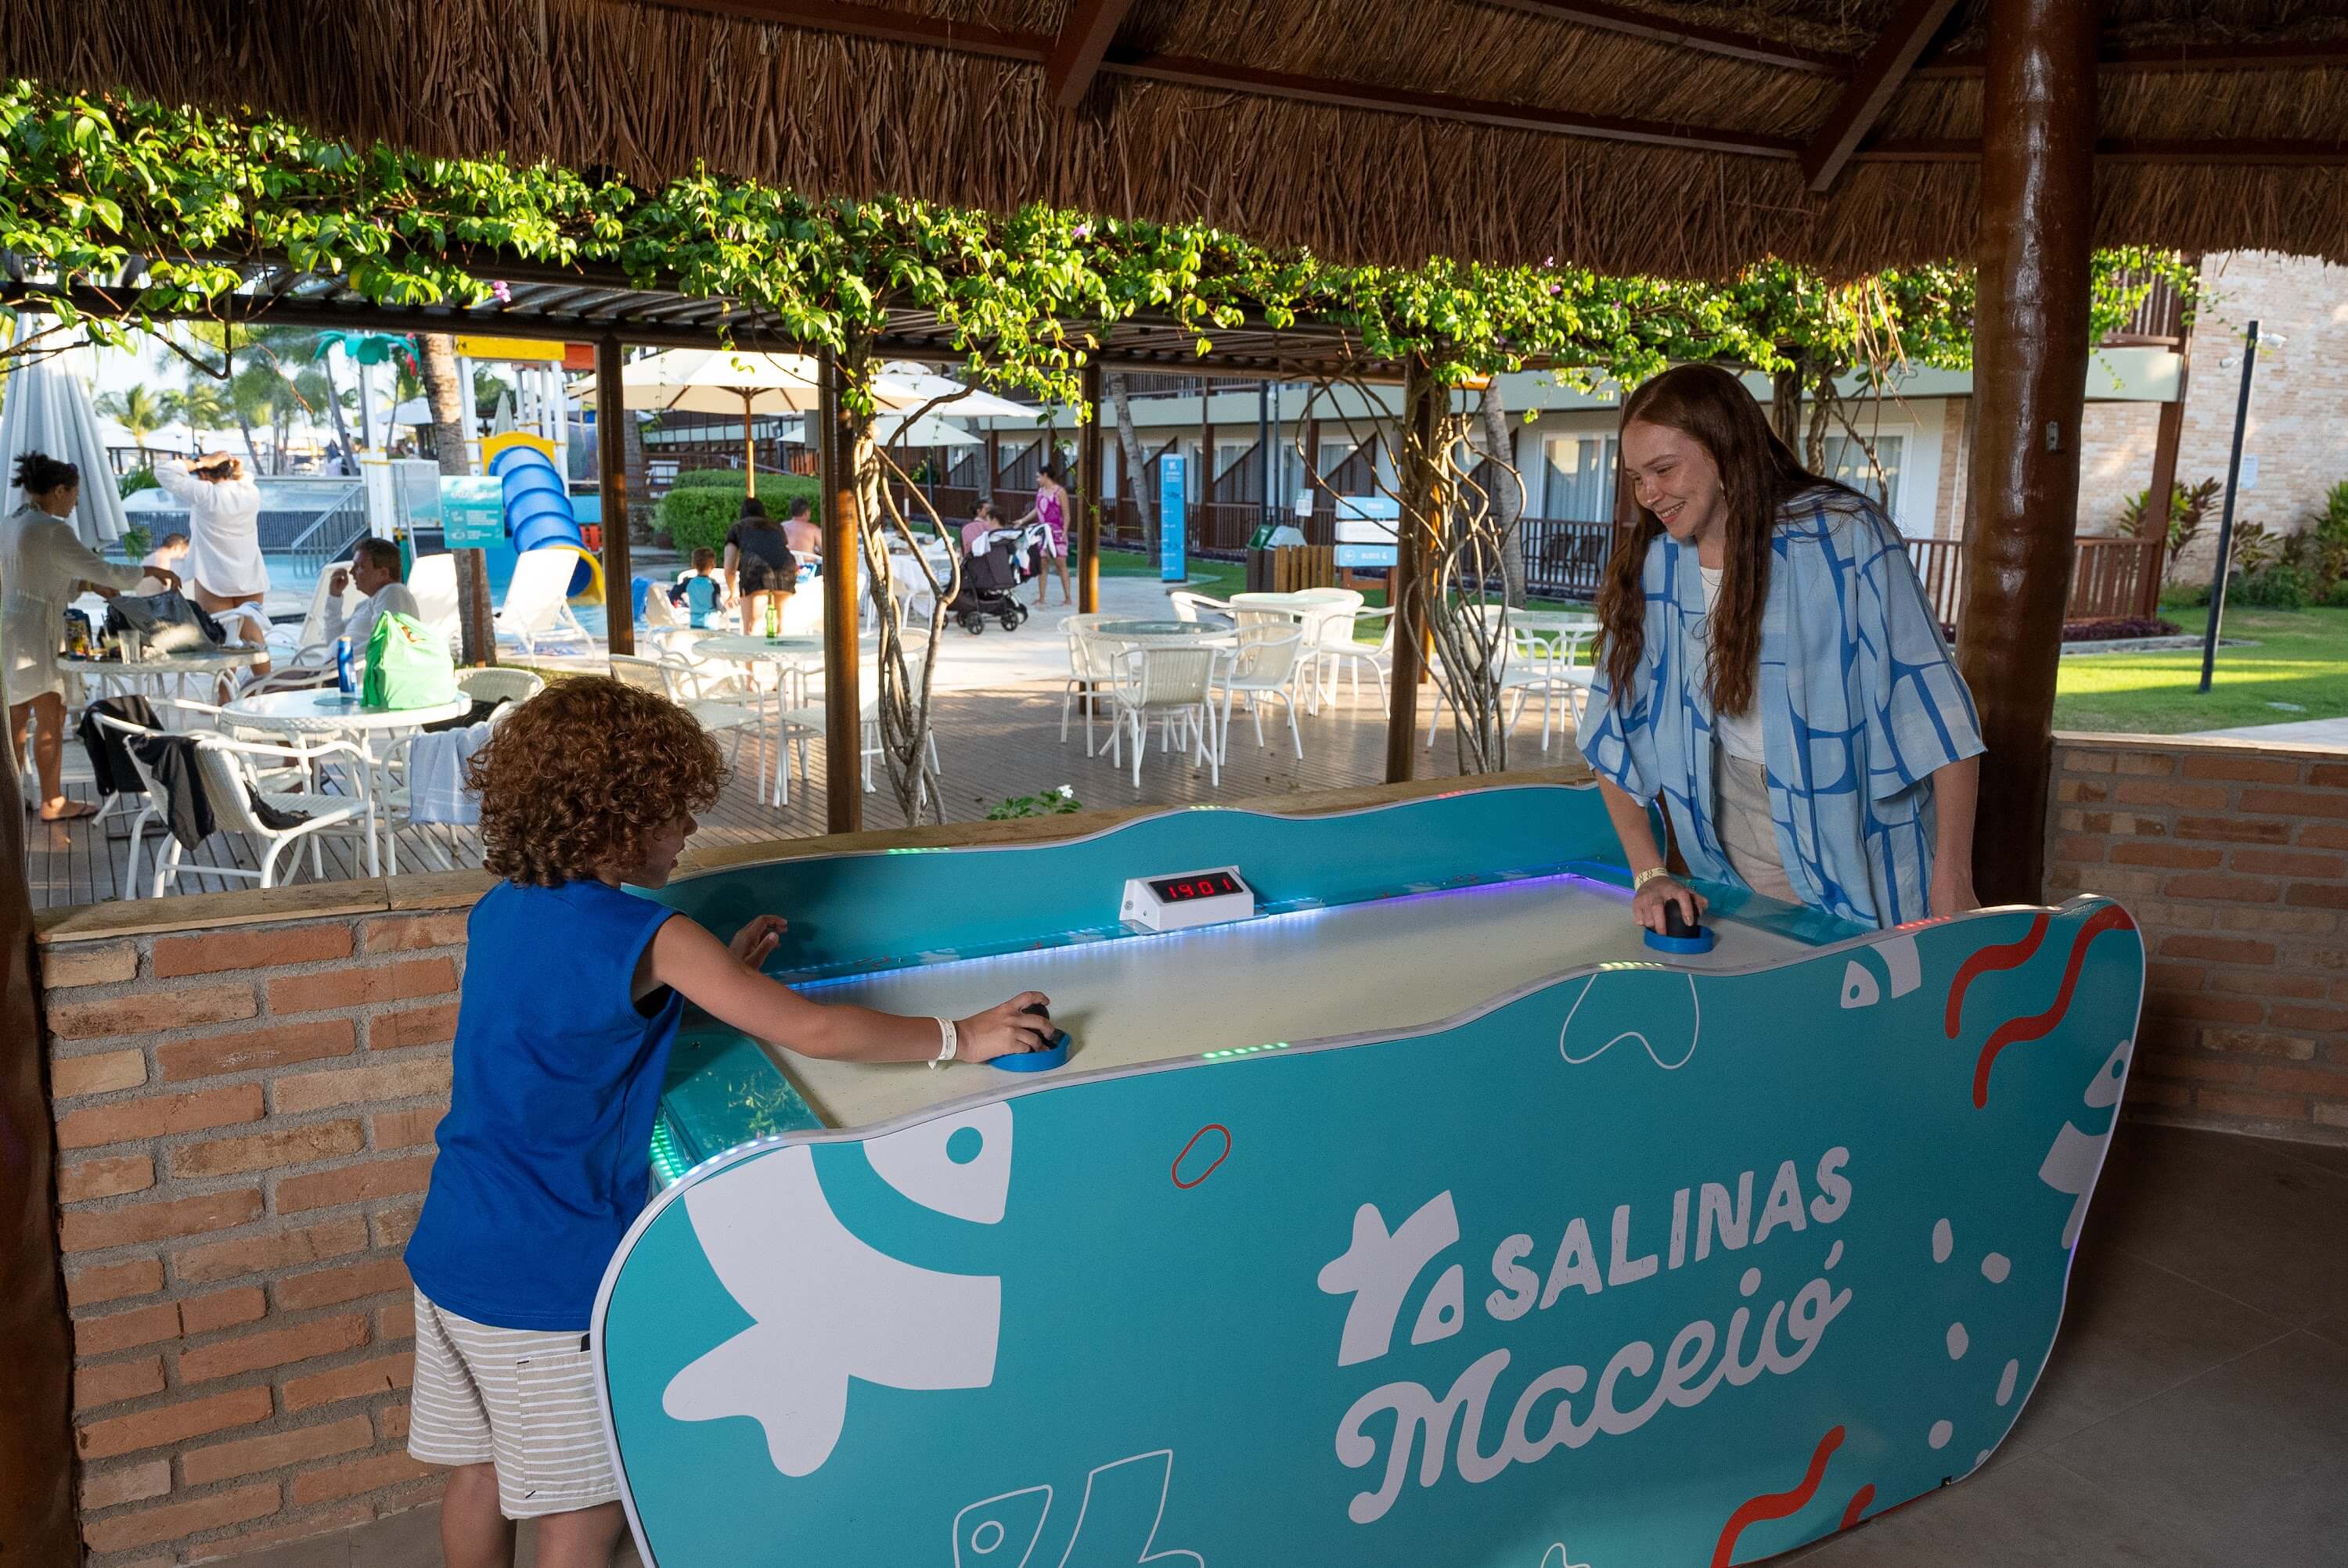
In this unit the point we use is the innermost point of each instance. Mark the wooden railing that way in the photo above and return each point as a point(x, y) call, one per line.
point(2111, 578)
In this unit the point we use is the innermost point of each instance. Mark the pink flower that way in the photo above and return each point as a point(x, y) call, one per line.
point(503, 291)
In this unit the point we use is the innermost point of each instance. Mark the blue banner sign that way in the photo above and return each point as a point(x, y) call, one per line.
point(1172, 566)
point(1364, 555)
point(472, 511)
point(1637, 1266)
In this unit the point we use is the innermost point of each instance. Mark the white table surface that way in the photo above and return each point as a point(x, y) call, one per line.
point(757, 650)
point(328, 712)
point(210, 663)
point(1393, 965)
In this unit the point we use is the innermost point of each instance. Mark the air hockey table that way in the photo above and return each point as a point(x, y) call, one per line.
point(1396, 1202)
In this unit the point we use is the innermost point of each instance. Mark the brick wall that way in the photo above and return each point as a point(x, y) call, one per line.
point(2233, 858)
point(245, 1119)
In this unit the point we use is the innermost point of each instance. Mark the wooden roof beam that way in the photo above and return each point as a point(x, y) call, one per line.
point(902, 28)
point(2238, 152)
point(1085, 36)
point(2166, 58)
point(1216, 75)
point(1648, 24)
point(1886, 66)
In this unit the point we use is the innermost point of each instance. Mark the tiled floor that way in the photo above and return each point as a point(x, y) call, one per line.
point(2195, 1414)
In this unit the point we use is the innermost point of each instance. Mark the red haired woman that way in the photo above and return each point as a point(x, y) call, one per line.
point(1771, 669)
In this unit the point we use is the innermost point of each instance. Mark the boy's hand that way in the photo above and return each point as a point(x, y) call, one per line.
point(756, 942)
point(1004, 1029)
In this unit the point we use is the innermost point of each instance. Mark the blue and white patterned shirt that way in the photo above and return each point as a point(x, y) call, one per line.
point(1860, 702)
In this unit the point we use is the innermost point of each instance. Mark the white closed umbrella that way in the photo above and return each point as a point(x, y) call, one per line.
point(47, 409)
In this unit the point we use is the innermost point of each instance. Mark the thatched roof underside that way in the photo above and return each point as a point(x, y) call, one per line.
point(2224, 157)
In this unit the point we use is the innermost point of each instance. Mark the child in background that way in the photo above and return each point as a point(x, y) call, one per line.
point(573, 992)
point(706, 607)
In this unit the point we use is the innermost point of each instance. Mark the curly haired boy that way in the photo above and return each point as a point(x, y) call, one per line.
point(571, 996)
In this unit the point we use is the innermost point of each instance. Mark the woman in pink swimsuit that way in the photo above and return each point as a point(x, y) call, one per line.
point(1051, 509)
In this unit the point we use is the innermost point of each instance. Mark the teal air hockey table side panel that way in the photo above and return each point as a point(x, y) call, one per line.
point(1639, 1265)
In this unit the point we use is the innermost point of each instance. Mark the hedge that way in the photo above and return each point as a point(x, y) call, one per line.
point(702, 506)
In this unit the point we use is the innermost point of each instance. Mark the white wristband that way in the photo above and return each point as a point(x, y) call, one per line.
point(947, 1042)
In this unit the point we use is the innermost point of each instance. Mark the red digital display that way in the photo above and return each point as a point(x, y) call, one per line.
point(1205, 885)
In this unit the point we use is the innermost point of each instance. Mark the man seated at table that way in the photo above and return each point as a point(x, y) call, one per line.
point(375, 571)
point(800, 532)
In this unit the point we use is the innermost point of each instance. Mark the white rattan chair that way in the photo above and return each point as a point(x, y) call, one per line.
point(1187, 604)
point(1338, 653)
point(1262, 663)
point(1175, 686)
point(225, 768)
point(1092, 665)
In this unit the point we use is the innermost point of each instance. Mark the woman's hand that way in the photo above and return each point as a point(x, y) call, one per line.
point(1952, 890)
point(755, 942)
point(1647, 903)
point(1004, 1029)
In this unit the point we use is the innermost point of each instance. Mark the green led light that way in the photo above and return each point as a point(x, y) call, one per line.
point(1243, 1051)
point(668, 1161)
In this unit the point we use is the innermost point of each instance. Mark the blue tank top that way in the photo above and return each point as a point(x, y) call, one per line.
point(544, 1153)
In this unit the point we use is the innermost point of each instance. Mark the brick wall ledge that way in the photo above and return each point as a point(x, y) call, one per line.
point(2102, 740)
point(426, 891)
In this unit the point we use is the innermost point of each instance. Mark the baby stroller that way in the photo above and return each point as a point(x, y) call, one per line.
point(987, 582)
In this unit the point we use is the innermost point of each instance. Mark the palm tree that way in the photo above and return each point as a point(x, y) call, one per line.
point(138, 411)
point(201, 407)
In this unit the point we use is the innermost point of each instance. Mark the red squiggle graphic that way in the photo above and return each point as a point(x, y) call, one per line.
point(1209, 1127)
point(1858, 1501)
point(2110, 917)
point(2004, 956)
point(1777, 1505)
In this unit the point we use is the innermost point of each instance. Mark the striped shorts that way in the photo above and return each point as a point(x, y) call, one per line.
point(521, 1399)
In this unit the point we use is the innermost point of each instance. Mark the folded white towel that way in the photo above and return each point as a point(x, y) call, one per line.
point(436, 775)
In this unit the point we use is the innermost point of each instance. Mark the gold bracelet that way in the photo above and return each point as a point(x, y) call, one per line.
point(1649, 875)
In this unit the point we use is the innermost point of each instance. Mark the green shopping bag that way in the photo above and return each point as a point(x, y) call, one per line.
point(407, 667)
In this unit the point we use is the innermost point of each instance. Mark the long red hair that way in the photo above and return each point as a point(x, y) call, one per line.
point(1758, 474)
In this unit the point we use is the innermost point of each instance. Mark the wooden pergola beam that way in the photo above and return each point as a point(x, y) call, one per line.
point(1038, 48)
point(1879, 75)
point(1185, 71)
point(1075, 58)
point(1648, 24)
point(2143, 59)
point(2243, 151)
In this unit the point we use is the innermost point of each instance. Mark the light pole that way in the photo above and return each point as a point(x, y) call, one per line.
point(2226, 518)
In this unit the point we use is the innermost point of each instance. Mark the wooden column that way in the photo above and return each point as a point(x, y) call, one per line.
point(1088, 495)
point(38, 1523)
point(1423, 402)
point(843, 704)
point(2163, 449)
point(612, 477)
point(2031, 375)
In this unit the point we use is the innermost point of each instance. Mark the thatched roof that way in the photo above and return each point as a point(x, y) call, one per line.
point(1634, 136)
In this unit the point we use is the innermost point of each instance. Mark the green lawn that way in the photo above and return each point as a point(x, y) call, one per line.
point(2300, 658)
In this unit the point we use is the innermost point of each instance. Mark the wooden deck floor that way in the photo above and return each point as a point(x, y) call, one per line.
point(993, 744)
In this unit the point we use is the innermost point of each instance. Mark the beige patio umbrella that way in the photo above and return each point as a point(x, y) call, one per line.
point(721, 381)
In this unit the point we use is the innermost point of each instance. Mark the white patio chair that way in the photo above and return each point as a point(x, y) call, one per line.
point(1188, 605)
point(538, 600)
point(307, 644)
point(1548, 664)
point(1339, 653)
point(671, 679)
point(497, 683)
point(1175, 686)
point(1264, 663)
point(148, 812)
point(394, 801)
point(1505, 668)
point(433, 580)
point(1092, 665)
point(225, 768)
point(1319, 610)
point(807, 721)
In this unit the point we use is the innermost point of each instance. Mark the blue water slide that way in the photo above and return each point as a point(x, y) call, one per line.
point(538, 507)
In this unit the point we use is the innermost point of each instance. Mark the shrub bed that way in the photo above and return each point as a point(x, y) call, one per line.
point(700, 509)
